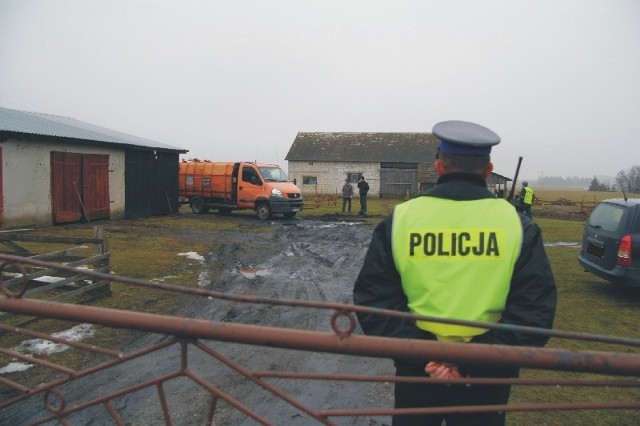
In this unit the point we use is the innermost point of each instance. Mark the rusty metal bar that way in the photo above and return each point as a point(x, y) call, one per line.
point(484, 409)
point(55, 414)
point(13, 385)
point(466, 380)
point(119, 360)
point(32, 360)
point(74, 344)
point(384, 347)
point(163, 403)
point(228, 399)
point(265, 385)
point(339, 307)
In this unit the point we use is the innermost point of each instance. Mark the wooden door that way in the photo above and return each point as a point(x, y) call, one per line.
point(66, 184)
point(95, 186)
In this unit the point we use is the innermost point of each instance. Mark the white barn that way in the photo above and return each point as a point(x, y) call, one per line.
point(56, 170)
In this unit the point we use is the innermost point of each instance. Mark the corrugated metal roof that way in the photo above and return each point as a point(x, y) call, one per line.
point(33, 123)
point(363, 147)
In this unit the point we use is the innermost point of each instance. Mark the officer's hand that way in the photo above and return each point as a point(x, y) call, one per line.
point(442, 370)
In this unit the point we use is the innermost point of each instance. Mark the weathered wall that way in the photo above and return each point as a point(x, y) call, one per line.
point(331, 176)
point(27, 180)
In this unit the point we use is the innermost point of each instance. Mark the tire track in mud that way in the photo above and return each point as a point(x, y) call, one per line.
point(311, 261)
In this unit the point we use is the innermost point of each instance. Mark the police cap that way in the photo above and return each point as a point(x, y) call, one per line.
point(464, 138)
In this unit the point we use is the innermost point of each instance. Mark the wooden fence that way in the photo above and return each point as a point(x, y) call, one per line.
point(50, 284)
point(318, 199)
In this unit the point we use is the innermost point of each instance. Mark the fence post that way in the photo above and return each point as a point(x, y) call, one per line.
point(102, 248)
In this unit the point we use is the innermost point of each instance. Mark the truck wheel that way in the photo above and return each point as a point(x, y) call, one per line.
point(198, 206)
point(263, 211)
point(289, 215)
point(225, 210)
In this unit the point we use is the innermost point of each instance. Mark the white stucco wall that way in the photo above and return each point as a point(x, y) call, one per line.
point(26, 180)
point(331, 176)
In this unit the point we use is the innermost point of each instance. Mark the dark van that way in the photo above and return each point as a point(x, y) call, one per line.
point(611, 242)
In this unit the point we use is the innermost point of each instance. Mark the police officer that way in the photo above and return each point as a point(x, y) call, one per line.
point(526, 198)
point(456, 252)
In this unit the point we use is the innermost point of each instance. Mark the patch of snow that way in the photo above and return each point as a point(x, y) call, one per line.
point(204, 279)
point(192, 255)
point(167, 277)
point(48, 279)
point(336, 224)
point(14, 367)
point(43, 347)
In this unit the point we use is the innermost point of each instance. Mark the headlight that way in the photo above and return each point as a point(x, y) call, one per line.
point(275, 192)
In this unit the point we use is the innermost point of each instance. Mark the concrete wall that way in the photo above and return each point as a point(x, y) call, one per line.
point(26, 180)
point(331, 176)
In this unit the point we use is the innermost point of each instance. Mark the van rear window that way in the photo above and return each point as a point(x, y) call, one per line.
point(607, 217)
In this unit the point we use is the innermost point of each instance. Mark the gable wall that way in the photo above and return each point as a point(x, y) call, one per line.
point(27, 180)
point(331, 175)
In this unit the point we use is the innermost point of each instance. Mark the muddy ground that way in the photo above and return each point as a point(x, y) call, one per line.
point(314, 260)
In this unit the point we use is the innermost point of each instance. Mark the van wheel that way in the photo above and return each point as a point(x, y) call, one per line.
point(263, 211)
point(198, 206)
point(289, 215)
point(225, 210)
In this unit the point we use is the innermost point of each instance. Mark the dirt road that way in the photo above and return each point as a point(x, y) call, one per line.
point(315, 260)
point(295, 259)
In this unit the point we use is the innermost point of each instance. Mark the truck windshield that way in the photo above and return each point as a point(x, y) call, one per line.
point(273, 174)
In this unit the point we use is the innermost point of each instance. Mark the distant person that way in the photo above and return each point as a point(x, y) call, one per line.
point(526, 198)
point(363, 188)
point(347, 195)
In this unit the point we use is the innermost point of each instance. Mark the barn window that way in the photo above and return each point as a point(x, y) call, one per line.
point(206, 181)
point(353, 176)
point(309, 180)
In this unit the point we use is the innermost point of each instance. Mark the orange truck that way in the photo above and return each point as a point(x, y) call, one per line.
point(238, 186)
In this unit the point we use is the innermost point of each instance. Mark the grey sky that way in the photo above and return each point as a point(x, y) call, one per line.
point(558, 80)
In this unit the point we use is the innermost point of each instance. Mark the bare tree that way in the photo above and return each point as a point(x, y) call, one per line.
point(629, 180)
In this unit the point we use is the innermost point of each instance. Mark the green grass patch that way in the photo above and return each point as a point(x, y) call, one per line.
point(556, 230)
point(574, 195)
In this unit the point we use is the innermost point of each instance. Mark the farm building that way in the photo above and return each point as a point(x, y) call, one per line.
point(394, 164)
point(56, 170)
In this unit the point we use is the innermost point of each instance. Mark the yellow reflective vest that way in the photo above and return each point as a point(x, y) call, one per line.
point(455, 260)
point(528, 195)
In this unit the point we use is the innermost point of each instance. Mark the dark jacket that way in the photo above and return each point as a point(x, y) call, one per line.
point(363, 187)
point(532, 295)
point(347, 190)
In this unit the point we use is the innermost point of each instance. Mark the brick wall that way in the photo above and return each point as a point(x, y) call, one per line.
point(330, 176)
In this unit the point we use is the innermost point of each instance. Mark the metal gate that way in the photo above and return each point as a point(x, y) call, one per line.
point(177, 391)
